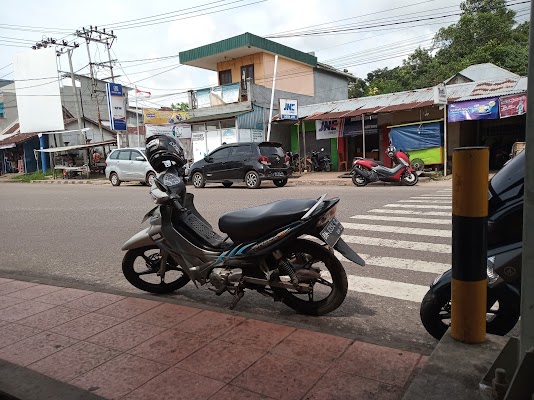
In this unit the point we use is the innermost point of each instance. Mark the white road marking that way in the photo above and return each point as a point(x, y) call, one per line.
point(398, 229)
point(411, 212)
point(402, 244)
point(429, 201)
point(389, 218)
point(382, 287)
point(419, 206)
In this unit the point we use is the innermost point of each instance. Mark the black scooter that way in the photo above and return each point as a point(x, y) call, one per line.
point(505, 248)
point(320, 162)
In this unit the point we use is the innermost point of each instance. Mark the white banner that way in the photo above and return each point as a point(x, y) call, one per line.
point(257, 135)
point(177, 131)
point(229, 135)
point(327, 129)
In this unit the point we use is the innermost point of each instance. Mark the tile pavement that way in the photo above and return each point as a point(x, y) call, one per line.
point(121, 347)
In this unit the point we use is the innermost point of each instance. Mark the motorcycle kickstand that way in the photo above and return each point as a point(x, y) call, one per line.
point(237, 296)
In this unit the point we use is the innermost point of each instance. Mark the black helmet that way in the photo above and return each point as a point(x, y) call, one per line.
point(163, 152)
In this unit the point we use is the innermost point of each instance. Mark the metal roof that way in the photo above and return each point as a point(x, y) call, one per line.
point(484, 72)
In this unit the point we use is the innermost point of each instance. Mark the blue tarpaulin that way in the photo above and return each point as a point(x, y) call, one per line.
point(417, 137)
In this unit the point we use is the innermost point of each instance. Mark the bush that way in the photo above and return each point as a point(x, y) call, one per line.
point(34, 176)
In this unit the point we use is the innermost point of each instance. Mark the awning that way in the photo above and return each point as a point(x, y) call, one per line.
point(360, 111)
point(76, 147)
point(8, 146)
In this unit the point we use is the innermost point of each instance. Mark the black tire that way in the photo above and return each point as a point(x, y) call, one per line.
point(417, 164)
point(134, 277)
point(327, 167)
point(227, 184)
point(359, 180)
point(280, 182)
point(435, 309)
point(252, 180)
point(150, 178)
point(338, 277)
point(114, 179)
point(409, 178)
point(198, 180)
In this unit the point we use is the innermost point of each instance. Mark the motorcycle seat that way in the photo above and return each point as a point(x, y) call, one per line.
point(255, 222)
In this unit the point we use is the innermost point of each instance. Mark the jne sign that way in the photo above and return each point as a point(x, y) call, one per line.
point(327, 128)
point(288, 109)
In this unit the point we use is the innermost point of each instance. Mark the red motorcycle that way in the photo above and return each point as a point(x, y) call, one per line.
point(365, 170)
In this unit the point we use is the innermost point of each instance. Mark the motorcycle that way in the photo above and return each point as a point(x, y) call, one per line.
point(365, 170)
point(320, 162)
point(505, 248)
point(294, 160)
point(264, 249)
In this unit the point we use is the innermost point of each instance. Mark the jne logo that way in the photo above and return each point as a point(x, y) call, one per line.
point(329, 125)
point(289, 107)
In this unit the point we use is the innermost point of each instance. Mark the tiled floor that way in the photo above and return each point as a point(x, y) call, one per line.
point(130, 348)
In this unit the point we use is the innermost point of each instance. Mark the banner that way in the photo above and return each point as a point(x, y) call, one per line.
point(154, 116)
point(511, 106)
point(117, 111)
point(353, 126)
point(327, 129)
point(288, 109)
point(440, 94)
point(216, 96)
point(229, 135)
point(181, 131)
point(257, 135)
point(2, 109)
point(474, 110)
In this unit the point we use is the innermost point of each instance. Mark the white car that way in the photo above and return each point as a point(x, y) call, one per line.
point(129, 164)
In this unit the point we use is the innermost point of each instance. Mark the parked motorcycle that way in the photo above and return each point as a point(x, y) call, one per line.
point(294, 160)
point(320, 162)
point(365, 170)
point(505, 248)
point(264, 251)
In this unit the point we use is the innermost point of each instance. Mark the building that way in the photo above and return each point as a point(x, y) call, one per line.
point(238, 108)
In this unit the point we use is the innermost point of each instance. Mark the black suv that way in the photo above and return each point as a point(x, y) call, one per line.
point(238, 162)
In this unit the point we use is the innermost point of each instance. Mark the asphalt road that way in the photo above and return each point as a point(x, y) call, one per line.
point(74, 233)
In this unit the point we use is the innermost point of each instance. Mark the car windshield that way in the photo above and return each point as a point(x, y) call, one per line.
point(271, 151)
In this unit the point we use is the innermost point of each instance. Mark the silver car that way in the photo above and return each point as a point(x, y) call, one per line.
point(129, 164)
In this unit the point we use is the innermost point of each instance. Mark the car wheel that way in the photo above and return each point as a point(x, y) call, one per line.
point(252, 180)
point(280, 182)
point(227, 184)
point(150, 178)
point(114, 178)
point(198, 180)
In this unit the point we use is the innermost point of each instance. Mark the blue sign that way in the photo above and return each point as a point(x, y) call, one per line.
point(474, 110)
point(288, 109)
point(117, 112)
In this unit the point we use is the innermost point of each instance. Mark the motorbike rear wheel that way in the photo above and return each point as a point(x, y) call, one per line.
point(435, 312)
point(329, 291)
point(144, 262)
point(359, 180)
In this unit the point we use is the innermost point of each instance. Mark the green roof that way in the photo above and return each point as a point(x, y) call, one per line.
point(239, 46)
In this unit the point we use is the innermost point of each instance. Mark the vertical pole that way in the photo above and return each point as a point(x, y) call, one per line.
point(469, 243)
point(77, 102)
point(272, 98)
point(363, 134)
point(445, 140)
point(110, 64)
point(298, 145)
point(137, 119)
point(304, 143)
point(93, 87)
point(526, 333)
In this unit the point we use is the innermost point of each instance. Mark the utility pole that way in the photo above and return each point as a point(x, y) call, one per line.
point(93, 34)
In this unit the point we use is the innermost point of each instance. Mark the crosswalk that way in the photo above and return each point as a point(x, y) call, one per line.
point(417, 230)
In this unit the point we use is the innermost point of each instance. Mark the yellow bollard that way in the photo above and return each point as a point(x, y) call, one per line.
point(469, 243)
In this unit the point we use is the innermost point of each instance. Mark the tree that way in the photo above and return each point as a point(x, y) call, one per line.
point(180, 106)
point(357, 88)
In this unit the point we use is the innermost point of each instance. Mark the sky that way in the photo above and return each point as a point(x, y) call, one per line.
point(361, 36)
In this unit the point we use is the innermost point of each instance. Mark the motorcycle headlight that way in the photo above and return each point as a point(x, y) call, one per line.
point(492, 276)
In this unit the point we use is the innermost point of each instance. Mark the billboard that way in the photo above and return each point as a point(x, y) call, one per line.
point(353, 126)
point(154, 116)
point(327, 128)
point(288, 109)
point(474, 110)
point(510, 106)
point(217, 96)
point(2, 109)
point(37, 90)
point(117, 111)
point(181, 131)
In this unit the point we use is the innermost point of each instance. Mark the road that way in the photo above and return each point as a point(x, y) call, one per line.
point(74, 233)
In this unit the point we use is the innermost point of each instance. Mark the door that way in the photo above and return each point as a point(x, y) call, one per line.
point(247, 72)
point(123, 164)
point(137, 165)
point(240, 156)
point(217, 164)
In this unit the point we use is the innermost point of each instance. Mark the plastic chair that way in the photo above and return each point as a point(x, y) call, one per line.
point(342, 164)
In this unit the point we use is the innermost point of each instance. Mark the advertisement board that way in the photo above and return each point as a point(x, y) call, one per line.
point(2, 109)
point(353, 126)
point(117, 111)
point(288, 109)
point(510, 106)
point(182, 131)
point(217, 96)
point(257, 135)
point(327, 128)
point(154, 116)
point(440, 94)
point(229, 135)
point(474, 110)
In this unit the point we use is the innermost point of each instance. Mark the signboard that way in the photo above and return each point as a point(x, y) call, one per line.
point(474, 110)
point(257, 135)
point(117, 111)
point(353, 126)
point(440, 94)
point(181, 131)
point(327, 129)
point(229, 135)
point(511, 106)
point(216, 96)
point(2, 109)
point(154, 116)
point(288, 109)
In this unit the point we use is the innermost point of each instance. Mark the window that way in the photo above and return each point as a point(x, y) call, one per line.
point(124, 154)
point(242, 150)
point(221, 154)
point(271, 151)
point(228, 123)
point(198, 128)
point(247, 72)
point(212, 126)
point(134, 155)
point(114, 155)
point(225, 77)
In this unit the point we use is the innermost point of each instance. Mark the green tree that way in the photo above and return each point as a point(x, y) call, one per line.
point(180, 106)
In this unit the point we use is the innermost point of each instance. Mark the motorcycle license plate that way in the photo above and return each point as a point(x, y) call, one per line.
point(332, 232)
point(278, 174)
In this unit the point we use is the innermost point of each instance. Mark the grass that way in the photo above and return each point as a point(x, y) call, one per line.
point(34, 176)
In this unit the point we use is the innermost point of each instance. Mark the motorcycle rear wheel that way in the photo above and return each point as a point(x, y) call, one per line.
point(306, 254)
point(133, 270)
point(359, 180)
point(435, 310)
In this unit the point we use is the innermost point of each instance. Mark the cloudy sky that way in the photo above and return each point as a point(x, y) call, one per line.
point(358, 36)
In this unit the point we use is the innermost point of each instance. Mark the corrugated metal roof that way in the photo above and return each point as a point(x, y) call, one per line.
point(485, 72)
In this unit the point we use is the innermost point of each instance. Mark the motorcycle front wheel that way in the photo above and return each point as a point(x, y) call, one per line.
point(410, 178)
point(329, 291)
point(501, 316)
point(141, 266)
